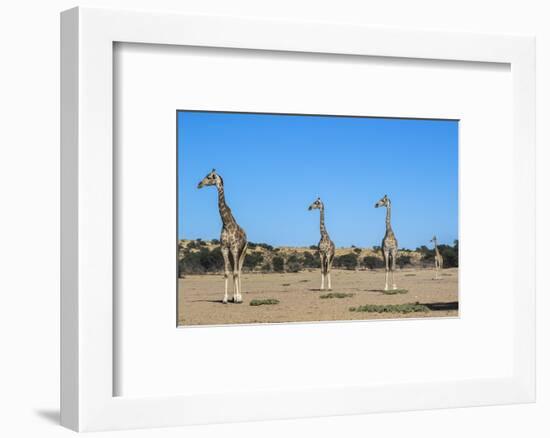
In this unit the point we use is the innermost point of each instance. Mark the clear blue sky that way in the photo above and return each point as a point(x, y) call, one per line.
point(274, 166)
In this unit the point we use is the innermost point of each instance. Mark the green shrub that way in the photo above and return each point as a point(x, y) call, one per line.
point(252, 260)
point(391, 308)
point(293, 263)
point(278, 264)
point(372, 262)
point(450, 255)
point(311, 261)
point(395, 291)
point(403, 260)
point(335, 295)
point(346, 261)
point(201, 261)
point(266, 301)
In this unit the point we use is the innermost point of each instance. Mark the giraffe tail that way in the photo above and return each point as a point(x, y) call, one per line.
point(242, 256)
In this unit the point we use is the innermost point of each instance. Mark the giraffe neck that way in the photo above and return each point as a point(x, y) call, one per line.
point(388, 217)
point(322, 223)
point(436, 250)
point(225, 211)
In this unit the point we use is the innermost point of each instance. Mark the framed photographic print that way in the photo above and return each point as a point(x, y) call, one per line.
point(268, 219)
point(295, 269)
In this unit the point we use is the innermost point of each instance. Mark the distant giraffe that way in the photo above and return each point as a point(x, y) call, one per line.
point(389, 243)
point(438, 258)
point(233, 238)
point(326, 246)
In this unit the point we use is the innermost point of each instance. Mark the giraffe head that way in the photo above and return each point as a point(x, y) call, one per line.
point(212, 179)
point(433, 239)
point(317, 205)
point(384, 202)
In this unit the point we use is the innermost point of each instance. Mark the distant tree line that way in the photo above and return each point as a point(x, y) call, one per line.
point(198, 257)
point(352, 261)
point(449, 253)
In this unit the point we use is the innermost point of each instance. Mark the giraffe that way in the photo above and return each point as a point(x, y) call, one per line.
point(438, 258)
point(326, 246)
point(389, 243)
point(232, 241)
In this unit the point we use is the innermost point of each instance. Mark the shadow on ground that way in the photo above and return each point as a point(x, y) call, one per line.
point(230, 301)
point(52, 415)
point(452, 305)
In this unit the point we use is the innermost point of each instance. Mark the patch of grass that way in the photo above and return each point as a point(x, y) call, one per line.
point(447, 275)
point(303, 281)
point(391, 308)
point(336, 295)
point(261, 302)
point(410, 275)
point(286, 284)
point(395, 291)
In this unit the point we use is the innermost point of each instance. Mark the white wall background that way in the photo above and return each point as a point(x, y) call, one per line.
point(29, 212)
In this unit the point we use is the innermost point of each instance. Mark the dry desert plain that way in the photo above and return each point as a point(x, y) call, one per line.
point(200, 296)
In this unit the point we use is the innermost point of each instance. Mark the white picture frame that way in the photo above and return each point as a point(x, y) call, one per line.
point(87, 331)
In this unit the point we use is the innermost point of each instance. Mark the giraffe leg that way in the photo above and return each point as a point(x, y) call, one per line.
point(329, 267)
point(387, 263)
point(393, 261)
point(225, 254)
point(241, 262)
point(236, 291)
point(323, 258)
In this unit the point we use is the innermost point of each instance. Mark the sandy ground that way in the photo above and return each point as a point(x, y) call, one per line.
point(200, 297)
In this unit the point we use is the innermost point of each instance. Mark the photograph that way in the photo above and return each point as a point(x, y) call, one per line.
point(286, 218)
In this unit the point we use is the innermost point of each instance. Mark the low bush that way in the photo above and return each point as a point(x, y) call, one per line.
point(391, 308)
point(372, 262)
point(252, 260)
point(403, 260)
point(278, 264)
point(293, 263)
point(310, 260)
point(265, 301)
point(395, 291)
point(335, 295)
point(346, 261)
point(202, 261)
